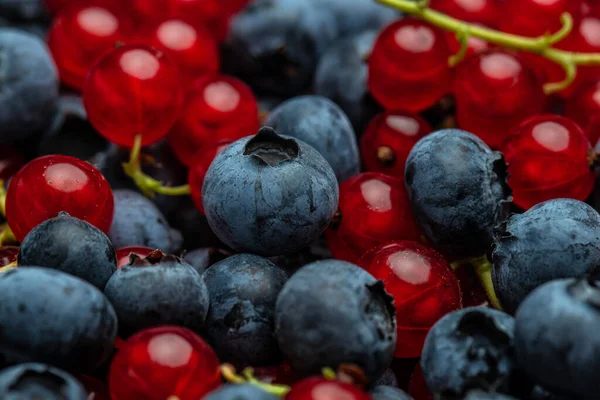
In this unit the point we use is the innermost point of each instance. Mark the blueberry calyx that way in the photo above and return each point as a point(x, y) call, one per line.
point(586, 291)
point(154, 258)
point(478, 323)
point(63, 214)
point(379, 299)
point(270, 148)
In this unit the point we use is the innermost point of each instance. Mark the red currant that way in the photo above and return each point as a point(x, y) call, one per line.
point(592, 131)
point(417, 388)
point(583, 106)
point(373, 210)
point(80, 36)
point(56, 6)
point(10, 162)
point(163, 363)
point(134, 90)
point(423, 286)
point(124, 253)
point(218, 108)
point(474, 45)
point(51, 184)
point(478, 11)
point(535, 17)
point(8, 255)
point(494, 92)
point(388, 139)
point(547, 158)
point(319, 388)
point(408, 67)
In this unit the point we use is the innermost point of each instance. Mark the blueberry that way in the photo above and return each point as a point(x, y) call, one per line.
point(240, 392)
point(240, 326)
point(556, 337)
point(555, 239)
point(28, 85)
point(51, 317)
point(469, 349)
point(388, 379)
point(356, 16)
point(331, 313)
point(320, 123)
point(138, 222)
point(481, 395)
point(457, 190)
point(388, 393)
point(269, 194)
point(39, 381)
point(70, 245)
point(201, 259)
point(157, 290)
point(22, 10)
point(341, 76)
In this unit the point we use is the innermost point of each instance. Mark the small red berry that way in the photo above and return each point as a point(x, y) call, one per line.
point(417, 388)
point(547, 158)
point(477, 11)
point(408, 67)
point(51, 184)
point(8, 254)
point(163, 363)
point(57, 6)
point(217, 108)
point(535, 17)
point(474, 45)
point(319, 388)
point(134, 90)
point(583, 107)
point(388, 139)
point(124, 254)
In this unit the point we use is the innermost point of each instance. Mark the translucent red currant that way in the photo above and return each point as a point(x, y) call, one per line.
point(8, 254)
point(319, 388)
point(217, 108)
point(80, 36)
point(388, 139)
point(547, 158)
point(51, 184)
point(124, 254)
point(408, 67)
point(494, 92)
point(163, 363)
point(518, 15)
point(474, 45)
point(133, 90)
point(583, 107)
point(423, 286)
point(373, 210)
point(478, 11)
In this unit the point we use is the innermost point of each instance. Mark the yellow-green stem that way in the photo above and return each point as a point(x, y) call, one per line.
point(247, 377)
point(8, 267)
point(483, 269)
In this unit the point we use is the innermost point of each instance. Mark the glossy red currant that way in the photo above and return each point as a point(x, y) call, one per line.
point(417, 388)
point(51, 184)
point(583, 107)
point(388, 139)
point(124, 254)
point(474, 45)
point(518, 15)
point(408, 67)
point(217, 108)
point(494, 92)
point(477, 11)
point(319, 388)
point(163, 363)
point(8, 254)
point(547, 158)
point(133, 90)
point(423, 286)
point(80, 36)
point(373, 210)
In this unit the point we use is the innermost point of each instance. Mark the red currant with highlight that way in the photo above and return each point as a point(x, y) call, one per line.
point(547, 158)
point(319, 388)
point(477, 11)
point(198, 172)
point(535, 17)
point(124, 254)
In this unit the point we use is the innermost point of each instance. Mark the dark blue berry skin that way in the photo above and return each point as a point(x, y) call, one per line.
point(457, 190)
point(22, 10)
point(388, 393)
point(51, 317)
point(555, 239)
point(158, 290)
point(469, 349)
point(28, 85)
point(388, 379)
point(556, 337)
point(194, 227)
point(240, 323)
point(138, 222)
point(240, 392)
point(331, 313)
point(341, 76)
point(39, 381)
point(481, 395)
point(320, 123)
point(201, 259)
point(269, 195)
point(70, 245)
point(356, 16)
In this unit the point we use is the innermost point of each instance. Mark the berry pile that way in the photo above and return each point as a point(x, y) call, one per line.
point(299, 199)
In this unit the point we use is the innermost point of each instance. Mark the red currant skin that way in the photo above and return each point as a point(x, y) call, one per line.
point(547, 158)
point(474, 45)
point(8, 254)
point(80, 36)
point(583, 107)
point(158, 363)
point(408, 67)
point(494, 92)
point(374, 210)
point(535, 17)
point(477, 11)
point(48, 185)
point(217, 108)
point(423, 286)
point(124, 254)
point(319, 388)
point(56, 6)
point(388, 139)
point(133, 90)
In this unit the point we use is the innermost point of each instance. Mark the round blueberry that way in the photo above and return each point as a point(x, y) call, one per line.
point(240, 392)
point(39, 381)
point(388, 393)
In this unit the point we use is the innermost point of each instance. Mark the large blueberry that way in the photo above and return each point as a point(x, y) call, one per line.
point(555, 239)
point(331, 313)
point(55, 318)
point(158, 290)
point(70, 245)
point(240, 392)
point(319, 122)
point(556, 337)
point(457, 190)
point(356, 16)
point(389, 393)
point(39, 381)
point(269, 194)
point(240, 323)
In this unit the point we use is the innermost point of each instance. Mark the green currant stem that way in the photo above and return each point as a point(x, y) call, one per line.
point(328, 374)
point(6, 234)
point(483, 269)
point(463, 39)
point(541, 45)
point(8, 267)
point(149, 186)
point(247, 377)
